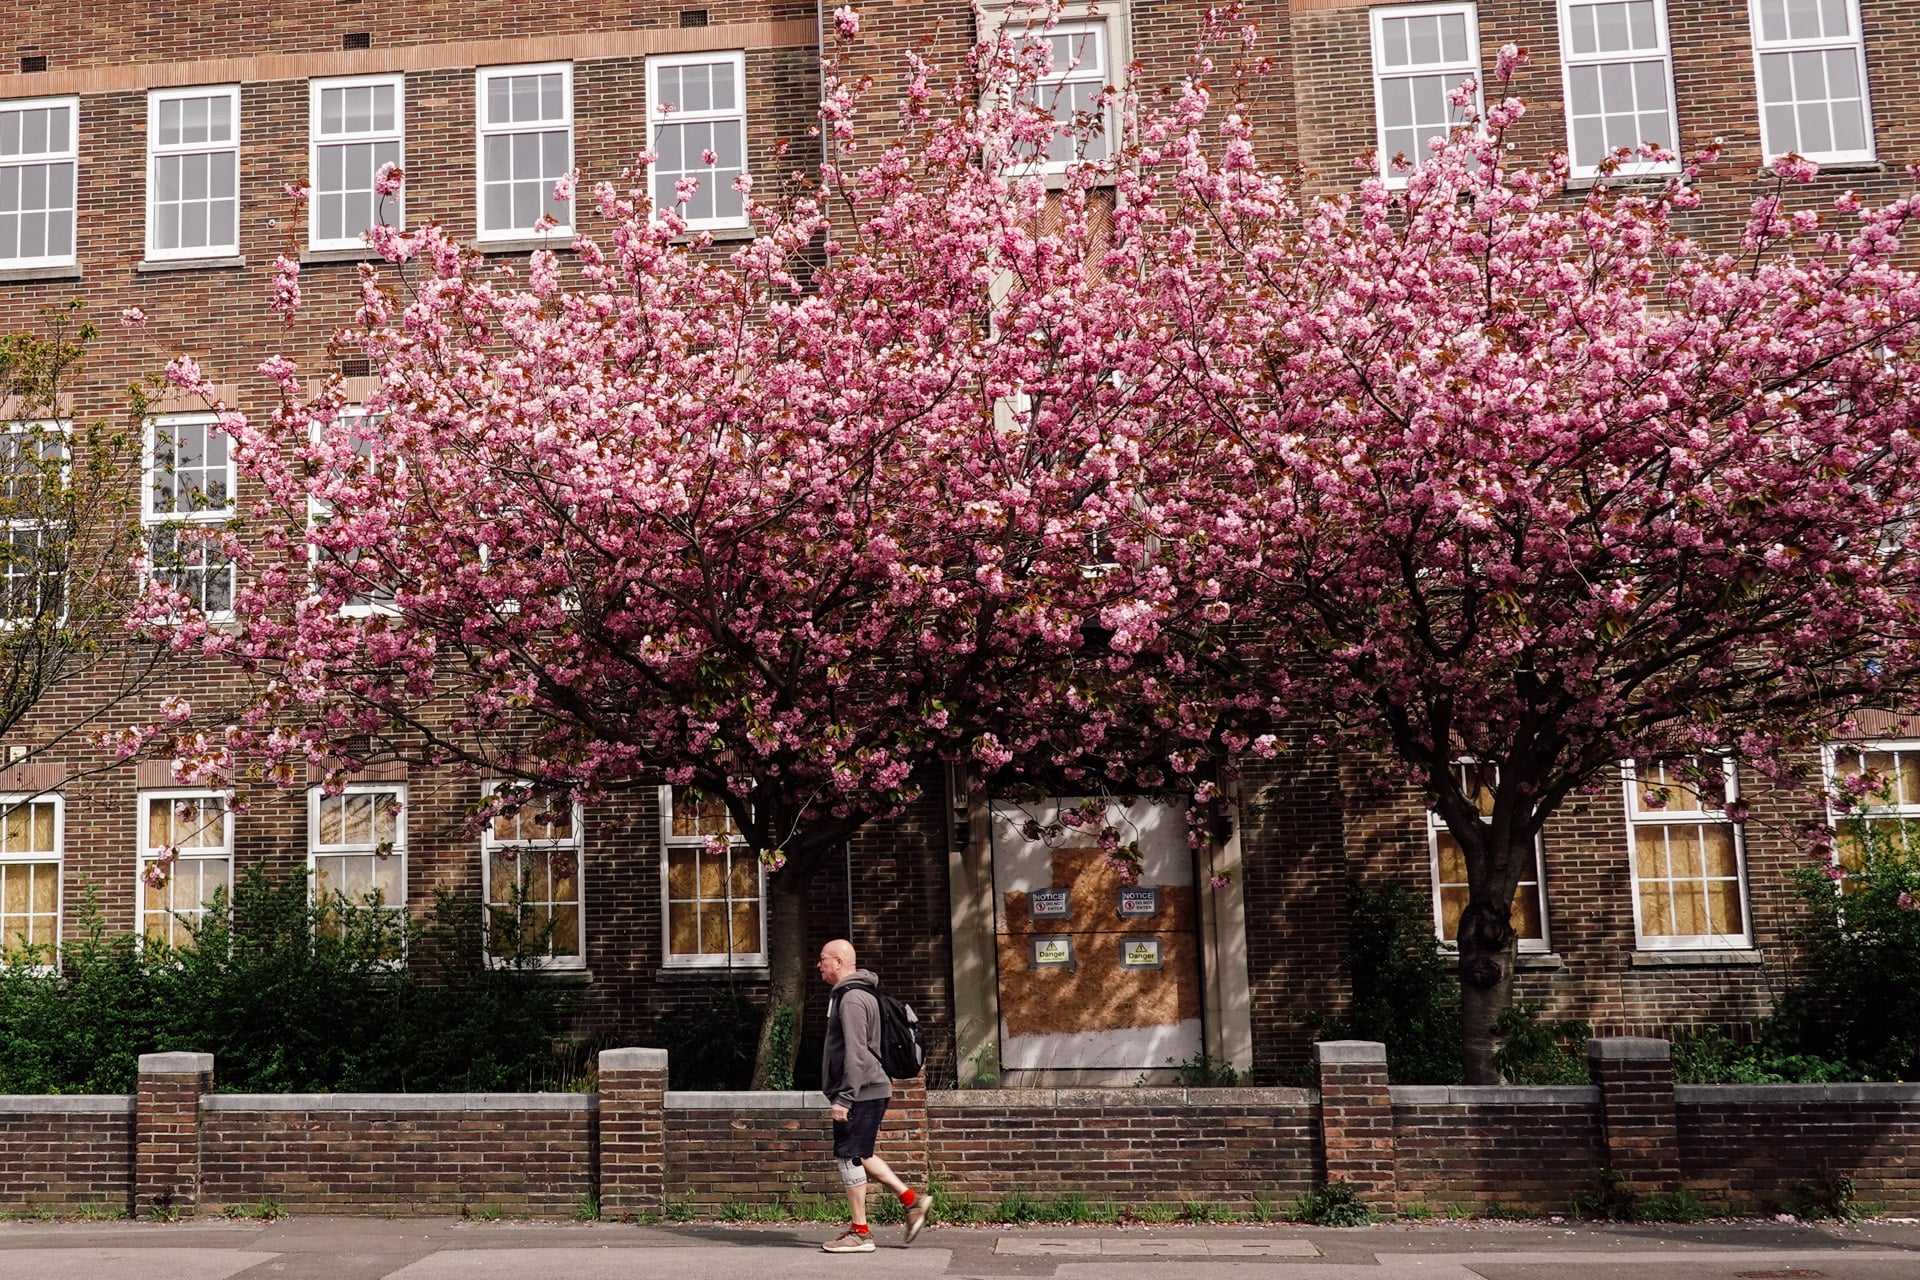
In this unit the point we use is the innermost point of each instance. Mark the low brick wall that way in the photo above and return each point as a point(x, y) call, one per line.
point(1489, 1146)
point(175, 1146)
point(66, 1152)
point(754, 1148)
point(400, 1153)
point(1749, 1145)
point(1127, 1145)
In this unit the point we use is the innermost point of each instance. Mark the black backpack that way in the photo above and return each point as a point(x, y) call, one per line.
point(902, 1052)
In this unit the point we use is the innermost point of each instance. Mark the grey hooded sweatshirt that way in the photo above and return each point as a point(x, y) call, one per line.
point(850, 1069)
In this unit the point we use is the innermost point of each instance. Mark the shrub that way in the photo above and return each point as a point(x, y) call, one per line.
point(1856, 1001)
point(1536, 1052)
point(1406, 993)
point(288, 995)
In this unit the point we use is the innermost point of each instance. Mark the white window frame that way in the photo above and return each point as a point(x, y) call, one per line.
point(1857, 43)
point(1569, 59)
point(1456, 72)
point(738, 59)
point(70, 155)
point(39, 859)
point(488, 844)
point(1436, 825)
point(152, 520)
point(317, 798)
point(318, 509)
point(1104, 27)
point(142, 823)
point(1904, 811)
point(63, 429)
point(154, 150)
point(482, 131)
point(756, 959)
point(1638, 817)
point(315, 141)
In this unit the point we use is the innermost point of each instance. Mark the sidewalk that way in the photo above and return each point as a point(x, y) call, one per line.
point(322, 1248)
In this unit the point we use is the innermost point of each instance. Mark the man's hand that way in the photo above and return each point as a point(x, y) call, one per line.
point(838, 1112)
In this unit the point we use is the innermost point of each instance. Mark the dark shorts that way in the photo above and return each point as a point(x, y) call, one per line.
point(853, 1137)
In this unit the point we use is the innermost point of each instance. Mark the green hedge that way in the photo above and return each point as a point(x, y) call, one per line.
point(290, 996)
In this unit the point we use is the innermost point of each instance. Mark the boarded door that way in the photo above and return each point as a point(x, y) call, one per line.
point(1095, 974)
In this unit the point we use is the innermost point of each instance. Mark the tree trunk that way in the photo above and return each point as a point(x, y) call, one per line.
point(786, 978)
point(1487, 952)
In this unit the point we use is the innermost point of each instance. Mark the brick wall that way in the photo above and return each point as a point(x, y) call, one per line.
point(1126, 1145)
point(67, 1153)
point(1488, 1146)
point(1749, 1145)
point(1527, 1147)
point(400, 1154)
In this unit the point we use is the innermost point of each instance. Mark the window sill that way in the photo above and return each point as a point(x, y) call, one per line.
point(1825, 167)
point(1735, 959)
point(149, 266)
point(21, 275)
point(360, 253)
point(571, 974)
point(669, 970)
point(1541, 961)
point(717, 235)
point(558, 241)
point(1592, 180)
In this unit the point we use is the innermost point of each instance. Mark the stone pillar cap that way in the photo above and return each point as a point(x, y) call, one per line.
point(633, 1059)
point(1359, 1051)
point(1628, 1049)
point(176, 1064)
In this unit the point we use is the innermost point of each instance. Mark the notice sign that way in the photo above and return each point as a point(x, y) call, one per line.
point(1140, 903)
point(1140, 953)
point(1053, 953)
point(1048, 904)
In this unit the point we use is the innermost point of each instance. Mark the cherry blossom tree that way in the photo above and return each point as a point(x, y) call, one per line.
point(1528, 477)
point(788, 526)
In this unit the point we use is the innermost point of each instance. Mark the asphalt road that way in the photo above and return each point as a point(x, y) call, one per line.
point(319, 1248)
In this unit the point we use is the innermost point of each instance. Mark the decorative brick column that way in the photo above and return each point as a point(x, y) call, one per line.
point(1641, 1140)
point(166, 1132)
point(1356, 1117)
point(633, 1132)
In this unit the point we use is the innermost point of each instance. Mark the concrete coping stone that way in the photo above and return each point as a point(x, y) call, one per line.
point(1118, 1099)
point(1804, 1094)
point(175, 1064)
point(1368, 1052)
point(745, 1100)
point(396, 1102)
point(1494, 1095)
point(66, 1103)
point(633, 1059)
point(1629, 1049)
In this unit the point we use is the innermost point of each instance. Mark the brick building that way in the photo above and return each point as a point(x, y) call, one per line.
point(143, 154)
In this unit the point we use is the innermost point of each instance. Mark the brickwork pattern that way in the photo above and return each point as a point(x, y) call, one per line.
point(372, 1156)
point(1636, 1096)
point(1757, 1147)
point(1493, 1154)
point(67, 1159)
point(1126, 1145)
point(1356, 1118)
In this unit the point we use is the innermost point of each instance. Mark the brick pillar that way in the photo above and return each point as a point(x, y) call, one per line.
point(1635, 1076)
point(633, 1132)
point(1356, 1117)
point(166, 1132)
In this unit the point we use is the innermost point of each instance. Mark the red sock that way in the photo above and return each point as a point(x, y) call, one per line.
point(907, 1197)
point(861, 1227)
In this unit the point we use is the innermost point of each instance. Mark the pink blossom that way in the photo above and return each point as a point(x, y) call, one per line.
point(133, 318)
point(1906, 901)
point(846, 21)
point(389, 180)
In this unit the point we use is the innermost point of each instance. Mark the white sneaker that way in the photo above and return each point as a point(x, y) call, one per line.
point(917, 1217)
point(849, 1241)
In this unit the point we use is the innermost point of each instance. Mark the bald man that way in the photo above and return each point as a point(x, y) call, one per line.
point(857, 1090)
